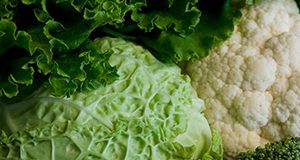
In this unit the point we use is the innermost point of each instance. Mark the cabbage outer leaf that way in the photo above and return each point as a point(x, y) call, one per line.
point(150, 112)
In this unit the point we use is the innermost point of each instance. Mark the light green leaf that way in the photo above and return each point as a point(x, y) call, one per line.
point(150, 112)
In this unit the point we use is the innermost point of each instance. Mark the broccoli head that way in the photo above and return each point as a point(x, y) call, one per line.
point(288, 149)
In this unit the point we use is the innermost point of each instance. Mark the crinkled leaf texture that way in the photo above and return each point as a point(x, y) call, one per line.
point(185, 29)
point(38, 37)
point(150, 112)
point(215, 25)
point(48, 41)
point(181, 16)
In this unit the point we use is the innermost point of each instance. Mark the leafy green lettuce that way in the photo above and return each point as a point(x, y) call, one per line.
point(150, 112)
point(185, 29)
point(47, 42)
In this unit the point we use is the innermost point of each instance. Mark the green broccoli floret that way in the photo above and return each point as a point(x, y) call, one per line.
point(288, 149)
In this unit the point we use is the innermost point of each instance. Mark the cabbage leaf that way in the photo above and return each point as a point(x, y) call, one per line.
point(150, 112)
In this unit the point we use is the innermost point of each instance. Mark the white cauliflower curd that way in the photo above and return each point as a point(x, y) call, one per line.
point(251, 83)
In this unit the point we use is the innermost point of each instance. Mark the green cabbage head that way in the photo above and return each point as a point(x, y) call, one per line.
point(150, 112)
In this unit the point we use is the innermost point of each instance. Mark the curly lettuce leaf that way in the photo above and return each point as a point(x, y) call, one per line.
point(216, 24)
point(39, 41)
point(5, 12)
point(181, 16)
point(32, 59)
point(38, 37)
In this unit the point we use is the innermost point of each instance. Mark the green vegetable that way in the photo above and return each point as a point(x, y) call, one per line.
point(41, 42)
point(46, 42)
point(216, 24)
point(150, 112)
point(288, 149)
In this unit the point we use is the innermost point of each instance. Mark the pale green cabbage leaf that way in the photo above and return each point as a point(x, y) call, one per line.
point(150, 112)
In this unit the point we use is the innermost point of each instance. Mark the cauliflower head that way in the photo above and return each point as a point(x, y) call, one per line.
point(251, 83)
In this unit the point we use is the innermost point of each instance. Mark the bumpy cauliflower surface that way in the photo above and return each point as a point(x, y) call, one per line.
point(251, 84)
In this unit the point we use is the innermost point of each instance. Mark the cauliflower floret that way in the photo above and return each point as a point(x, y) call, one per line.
point(251, 83)
point(252, 109)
